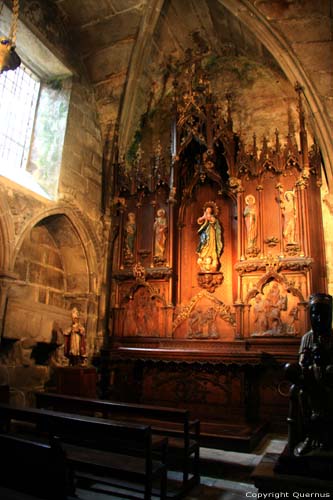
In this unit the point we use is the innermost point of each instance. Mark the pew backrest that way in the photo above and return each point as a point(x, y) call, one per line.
point(90, 431)
point(36, 468)
point(174, 423)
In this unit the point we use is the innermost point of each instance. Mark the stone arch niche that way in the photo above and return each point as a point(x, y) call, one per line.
point(52, 276)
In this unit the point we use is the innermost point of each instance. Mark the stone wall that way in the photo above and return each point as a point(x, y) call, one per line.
point(51, 255)
point(307, 27)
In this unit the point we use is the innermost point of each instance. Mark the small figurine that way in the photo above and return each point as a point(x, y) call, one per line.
point(75, 341)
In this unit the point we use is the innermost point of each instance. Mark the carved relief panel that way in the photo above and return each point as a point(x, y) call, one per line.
point(142, 310)
point(274, 312)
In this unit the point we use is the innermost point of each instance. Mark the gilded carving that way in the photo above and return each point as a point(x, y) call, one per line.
point(271, 241)
point(236, 184)
point(139, 272)
point(274, 264)
point(172, 196)
point(210, 281)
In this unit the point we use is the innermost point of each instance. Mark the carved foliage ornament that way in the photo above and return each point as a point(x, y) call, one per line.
point(210, 281)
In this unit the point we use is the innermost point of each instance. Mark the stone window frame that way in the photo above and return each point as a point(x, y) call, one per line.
point(42, 169)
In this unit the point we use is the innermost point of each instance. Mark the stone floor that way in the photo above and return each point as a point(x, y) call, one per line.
point(225, 474)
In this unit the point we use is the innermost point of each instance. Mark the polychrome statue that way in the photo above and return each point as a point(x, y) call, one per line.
point(210, 239)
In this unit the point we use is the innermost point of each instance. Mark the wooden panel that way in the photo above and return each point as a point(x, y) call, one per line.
point(77, 381)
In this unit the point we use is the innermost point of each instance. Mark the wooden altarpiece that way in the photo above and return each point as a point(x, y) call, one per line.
point(210, 329)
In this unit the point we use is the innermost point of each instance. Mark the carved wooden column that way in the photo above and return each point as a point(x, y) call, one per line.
point(120, 263)
point(139, 227)
point(246, 320)
point(261, 220)
point(302, 210)
point(240, 215)
point(239, 311)
point(303, 180)
point(170, 262)
point(239, 307)
point(180, 230)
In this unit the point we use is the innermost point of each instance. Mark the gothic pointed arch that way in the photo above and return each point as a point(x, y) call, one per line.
point(70, 229)
point(291, 65)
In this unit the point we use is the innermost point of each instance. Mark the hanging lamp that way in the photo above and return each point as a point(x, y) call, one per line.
point(8, 57)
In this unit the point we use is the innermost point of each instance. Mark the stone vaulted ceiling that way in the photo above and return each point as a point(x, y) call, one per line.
point(102, 29)
point(125, 46)
point(112, 35)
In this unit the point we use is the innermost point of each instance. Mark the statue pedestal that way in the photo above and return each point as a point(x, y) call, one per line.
point(268, 478)
point(316, 464)
point(77, 381)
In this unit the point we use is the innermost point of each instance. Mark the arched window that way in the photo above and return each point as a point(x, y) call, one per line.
point(34, 102)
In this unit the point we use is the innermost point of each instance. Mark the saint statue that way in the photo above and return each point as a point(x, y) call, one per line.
point(160, 235)
point(130, 234)
point(288, 207)
point(210, 239)
point(251, 221)
point(75, 341)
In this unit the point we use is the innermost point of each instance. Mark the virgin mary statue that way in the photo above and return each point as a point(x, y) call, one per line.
point(210, 239)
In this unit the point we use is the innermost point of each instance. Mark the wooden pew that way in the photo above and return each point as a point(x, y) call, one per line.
point(34, 468)
point(99, 448)
point(183, 434)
